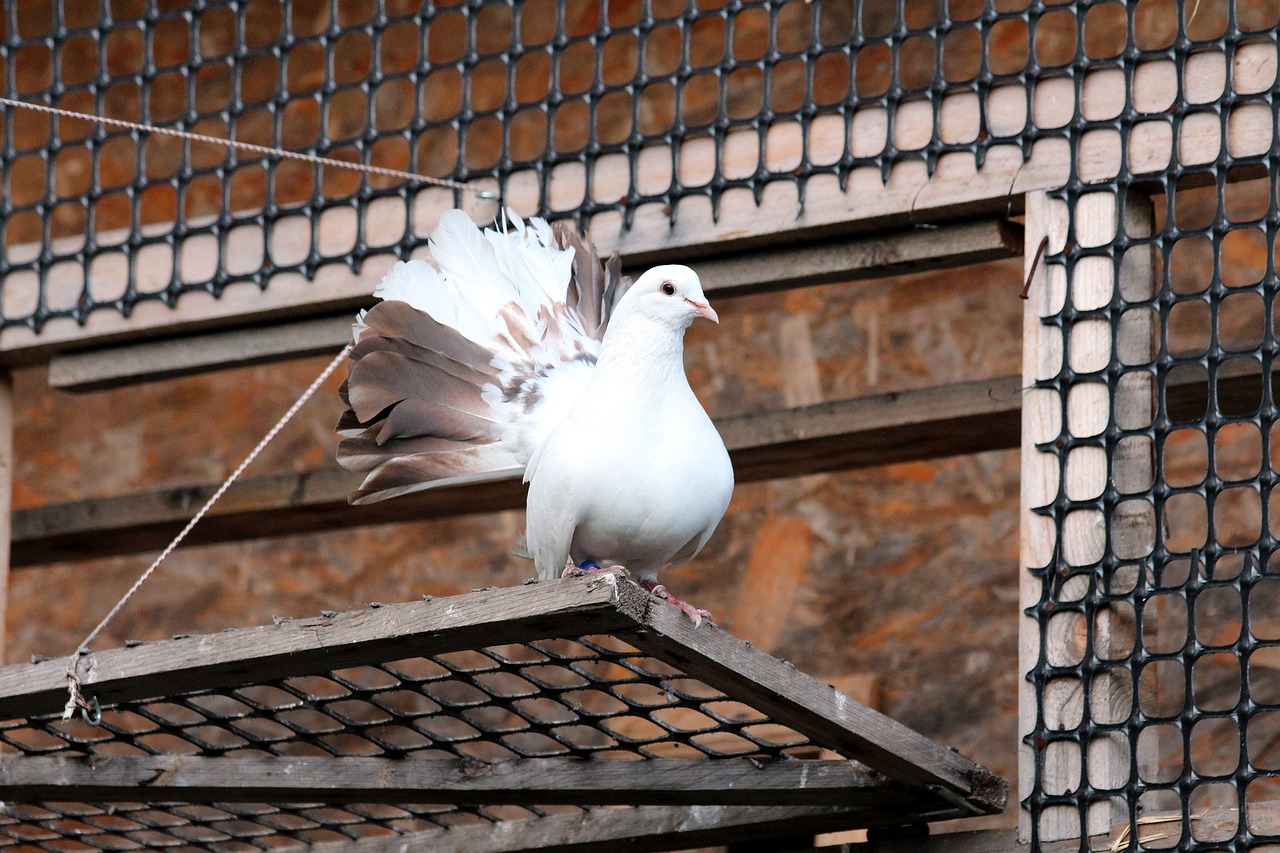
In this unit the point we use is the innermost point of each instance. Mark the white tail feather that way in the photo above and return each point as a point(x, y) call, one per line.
point(505, 291)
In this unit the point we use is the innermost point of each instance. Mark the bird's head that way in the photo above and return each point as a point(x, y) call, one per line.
point(670, 294)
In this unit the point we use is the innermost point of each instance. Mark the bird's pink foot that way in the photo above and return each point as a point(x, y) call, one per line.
point(695, 614)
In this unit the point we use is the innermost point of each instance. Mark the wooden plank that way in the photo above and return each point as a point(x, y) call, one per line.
point(1088, 472)
point(955, 190)
point(6, 496)
point(967, 417)
point(815, 709)
point(1041, 422)
point(644, 829)
point(533, 781)
point(113, 367)
point(759, 272)
point(324, 643)
point(861, 258)
point(898, 426)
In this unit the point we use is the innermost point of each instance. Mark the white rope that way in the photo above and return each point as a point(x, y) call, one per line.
point(75, 698)
point(249, 146)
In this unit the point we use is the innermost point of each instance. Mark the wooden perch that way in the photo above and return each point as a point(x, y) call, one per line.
point(545, 781)
point(564, 608)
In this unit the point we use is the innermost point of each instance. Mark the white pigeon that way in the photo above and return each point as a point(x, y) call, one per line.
point(520, 351)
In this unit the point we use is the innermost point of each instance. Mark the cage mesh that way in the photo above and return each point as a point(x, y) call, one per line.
point(579, 697)
point(464, 90)
point(493, 90)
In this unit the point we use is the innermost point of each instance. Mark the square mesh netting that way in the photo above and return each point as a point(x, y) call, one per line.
point(97, 217)
point(590, 696)
point(1168, 612)
point(1157, 684)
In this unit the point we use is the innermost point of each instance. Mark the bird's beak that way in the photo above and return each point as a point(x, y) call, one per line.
point(704, 309)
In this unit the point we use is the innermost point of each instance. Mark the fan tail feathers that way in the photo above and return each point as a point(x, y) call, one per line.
point(470, 365)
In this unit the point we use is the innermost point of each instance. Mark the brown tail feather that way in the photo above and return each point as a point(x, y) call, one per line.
point(401, 320)
point(383, 379)
point(406, 474)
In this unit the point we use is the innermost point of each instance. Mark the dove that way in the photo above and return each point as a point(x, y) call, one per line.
point(519, 352)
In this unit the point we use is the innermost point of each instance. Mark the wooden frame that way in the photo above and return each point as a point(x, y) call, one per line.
point(902, 777)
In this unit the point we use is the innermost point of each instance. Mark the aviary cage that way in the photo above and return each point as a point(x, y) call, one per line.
point(784, 144)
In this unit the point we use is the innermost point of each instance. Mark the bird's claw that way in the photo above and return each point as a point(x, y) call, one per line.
point(695, 614)
point(589, 568)
point(600, 574)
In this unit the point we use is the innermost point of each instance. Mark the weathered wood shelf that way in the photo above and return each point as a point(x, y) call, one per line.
point(498, 720)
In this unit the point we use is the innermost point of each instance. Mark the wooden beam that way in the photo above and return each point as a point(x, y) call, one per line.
point(963, 418)
point(815, 709)
point(113, 367)
point(533, 781)
point(1086, 473)
point(861, 258)
point(956, 189)
point(324, 643)
point(644, 829)
point(968, 417)
point(1041, 423)
point(6, 496)
point(757, 272)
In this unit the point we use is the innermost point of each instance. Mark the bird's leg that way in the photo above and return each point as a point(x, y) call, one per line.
point(591, 567)
point(695, 614)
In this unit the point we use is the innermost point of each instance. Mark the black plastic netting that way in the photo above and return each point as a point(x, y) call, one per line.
point(468, 91)
point(1182, 699)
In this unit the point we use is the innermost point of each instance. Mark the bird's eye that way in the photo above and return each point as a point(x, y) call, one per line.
point(668, 288)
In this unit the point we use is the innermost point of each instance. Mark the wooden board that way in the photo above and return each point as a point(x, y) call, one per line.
point(644, 829)
point(113, 367)
point(967, 417)
point(323, 643)
point(544, 781)
point(895, 427)
point(956, 189)
point(814, 709)
point(756, 272)
point(1087, 473)
point(6, 494)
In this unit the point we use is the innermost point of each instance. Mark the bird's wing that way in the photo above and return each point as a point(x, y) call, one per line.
point(467, 367)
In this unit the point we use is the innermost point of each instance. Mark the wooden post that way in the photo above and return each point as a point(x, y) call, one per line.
point(1087, 472)
point(6, 496)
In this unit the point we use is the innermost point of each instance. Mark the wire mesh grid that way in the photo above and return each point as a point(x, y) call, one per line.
point(587, 696)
